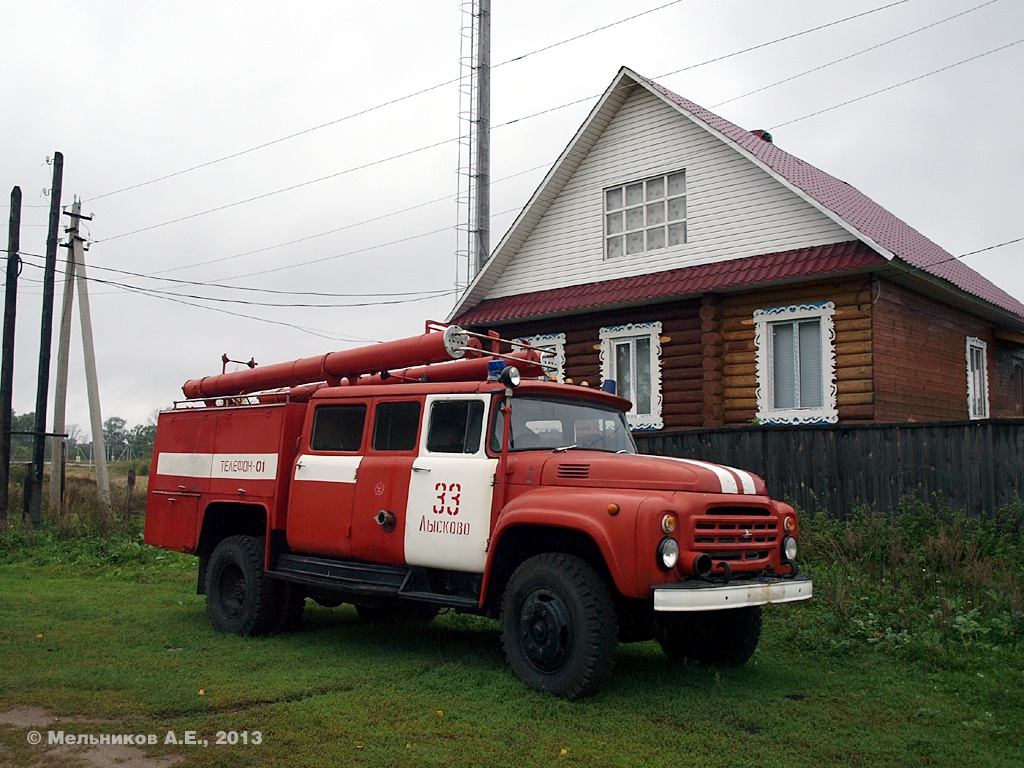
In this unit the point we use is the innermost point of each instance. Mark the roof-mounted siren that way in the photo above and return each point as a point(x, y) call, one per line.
point(763, 134)
point(435, 346)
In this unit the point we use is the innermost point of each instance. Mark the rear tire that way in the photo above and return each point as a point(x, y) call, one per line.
point(720, 638)
point(239, 596)
point(558, 626)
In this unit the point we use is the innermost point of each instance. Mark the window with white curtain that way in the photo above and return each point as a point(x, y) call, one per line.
point(796, 364)
point(631, 357)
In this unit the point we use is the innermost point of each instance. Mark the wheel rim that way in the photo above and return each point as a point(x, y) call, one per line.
point(231, 590)
point(544, 630)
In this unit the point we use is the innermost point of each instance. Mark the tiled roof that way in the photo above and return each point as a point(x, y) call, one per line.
point(804, 262)
point(856, 209)
point(877, 228)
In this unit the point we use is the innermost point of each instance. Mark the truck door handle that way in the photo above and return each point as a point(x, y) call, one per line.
point(420, 469)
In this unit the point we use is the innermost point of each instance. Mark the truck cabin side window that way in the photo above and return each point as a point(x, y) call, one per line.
point(396, 426)
point(455, 426)
point(338, 427)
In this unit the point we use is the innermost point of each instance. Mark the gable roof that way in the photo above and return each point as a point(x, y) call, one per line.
point(889, 236)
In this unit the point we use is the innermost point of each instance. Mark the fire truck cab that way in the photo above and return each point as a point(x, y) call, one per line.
point(461, 485)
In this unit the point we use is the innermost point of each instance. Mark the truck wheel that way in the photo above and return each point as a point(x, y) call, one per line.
point(558, 626)
point(720, 638)
point(239, 597)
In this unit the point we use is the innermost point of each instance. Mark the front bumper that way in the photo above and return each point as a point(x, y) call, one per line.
point(708, 596)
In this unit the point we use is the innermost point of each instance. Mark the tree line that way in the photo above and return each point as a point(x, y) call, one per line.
point(121, 442)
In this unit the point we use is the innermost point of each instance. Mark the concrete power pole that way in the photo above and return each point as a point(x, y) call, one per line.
point(58, 444)
point(482, 213)
point(99, 451)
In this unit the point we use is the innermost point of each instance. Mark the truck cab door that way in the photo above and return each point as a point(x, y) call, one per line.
point(382, 488)
point(448, 515)
point(323, 484)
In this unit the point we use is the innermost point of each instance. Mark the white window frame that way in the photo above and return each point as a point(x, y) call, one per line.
point(613, 335)
point(655, 226)
point(552, 348)
point(764, 319)
point(977, 402)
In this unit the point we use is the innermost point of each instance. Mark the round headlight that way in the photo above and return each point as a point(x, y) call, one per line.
point(510, 377)
point(789, 548)
point(668, 553)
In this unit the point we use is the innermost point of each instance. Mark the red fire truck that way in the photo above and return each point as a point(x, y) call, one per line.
point(438, 472)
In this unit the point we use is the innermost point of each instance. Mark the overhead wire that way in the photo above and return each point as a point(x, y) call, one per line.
point(898, 85)
point(126, 287)
point(853, 55)
point(434, 145)
point(371, 220)
point(382, 105)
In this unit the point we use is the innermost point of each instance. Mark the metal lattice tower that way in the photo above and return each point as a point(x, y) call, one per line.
point(472, 195)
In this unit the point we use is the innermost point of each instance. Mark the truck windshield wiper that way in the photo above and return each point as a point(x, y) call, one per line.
point(563, 448)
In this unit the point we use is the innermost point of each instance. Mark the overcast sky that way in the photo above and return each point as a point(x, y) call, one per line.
point(360, 199)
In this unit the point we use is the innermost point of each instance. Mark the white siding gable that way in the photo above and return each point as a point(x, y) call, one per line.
point(734, 208)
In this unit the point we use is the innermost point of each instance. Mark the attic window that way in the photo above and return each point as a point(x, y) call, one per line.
point(645, 216)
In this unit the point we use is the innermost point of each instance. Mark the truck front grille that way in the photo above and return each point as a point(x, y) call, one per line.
point(735, 534)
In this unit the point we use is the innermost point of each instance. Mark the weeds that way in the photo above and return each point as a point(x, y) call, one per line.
point(923, 583)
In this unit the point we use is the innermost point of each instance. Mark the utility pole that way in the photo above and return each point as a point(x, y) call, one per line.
point(7, 367)
point(482, 204)
point(58, 444)
point(99, 451)
point(34, 487)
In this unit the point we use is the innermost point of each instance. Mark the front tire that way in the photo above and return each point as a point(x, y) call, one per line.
point(239, 596)
point(720, 638)
point(558, 626)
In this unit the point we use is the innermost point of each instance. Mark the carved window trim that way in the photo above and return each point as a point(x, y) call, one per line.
point(764, 319)
point(552, 346)
point(613, 336)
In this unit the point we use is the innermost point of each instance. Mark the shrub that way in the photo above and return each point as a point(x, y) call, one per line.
point(923, 582)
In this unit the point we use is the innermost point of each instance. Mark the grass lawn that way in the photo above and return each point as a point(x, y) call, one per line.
point(117, 648)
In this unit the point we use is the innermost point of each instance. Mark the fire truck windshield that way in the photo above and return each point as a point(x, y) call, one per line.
point(551, 423)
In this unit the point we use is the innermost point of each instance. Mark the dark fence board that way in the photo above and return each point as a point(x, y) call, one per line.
point(975, 467)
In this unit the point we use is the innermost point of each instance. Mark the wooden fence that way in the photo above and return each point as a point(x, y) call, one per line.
point(974, 467)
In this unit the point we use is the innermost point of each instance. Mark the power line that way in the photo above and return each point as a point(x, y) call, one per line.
point(407, 295)
point(265, 195)
point(495, 127)
point(382, 105)
point(853, 55)
point(339, 229)
point(897, 85)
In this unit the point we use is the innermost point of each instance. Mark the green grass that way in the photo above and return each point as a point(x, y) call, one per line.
point(106, 629)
